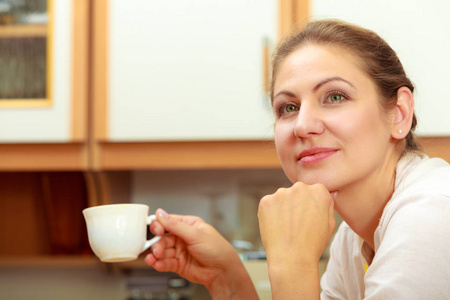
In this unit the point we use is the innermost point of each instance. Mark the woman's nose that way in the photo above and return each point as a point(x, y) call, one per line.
point(309, 122)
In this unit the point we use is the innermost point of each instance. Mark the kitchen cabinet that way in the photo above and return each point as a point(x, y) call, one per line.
point(43, 127)
point(40, 217)
point(418, 32)
point(189, 70)
point(43, 105)
point(42, 75)
point(23, 47)
point(184, 84)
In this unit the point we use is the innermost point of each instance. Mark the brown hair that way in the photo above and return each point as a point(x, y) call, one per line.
point(378, 59)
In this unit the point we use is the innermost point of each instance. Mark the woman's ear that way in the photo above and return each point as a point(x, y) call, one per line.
point(403, 115)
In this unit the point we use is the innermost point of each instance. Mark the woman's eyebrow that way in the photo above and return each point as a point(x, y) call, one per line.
point(335, 78)
point(283, 92)
point(320, 84)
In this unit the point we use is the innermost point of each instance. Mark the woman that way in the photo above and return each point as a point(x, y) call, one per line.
point(344, 120)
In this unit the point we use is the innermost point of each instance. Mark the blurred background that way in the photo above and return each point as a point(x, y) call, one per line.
point(164, 103)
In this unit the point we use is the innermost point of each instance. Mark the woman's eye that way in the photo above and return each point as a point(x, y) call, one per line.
point(335, 98)
point(285, 109)
point(290, 108)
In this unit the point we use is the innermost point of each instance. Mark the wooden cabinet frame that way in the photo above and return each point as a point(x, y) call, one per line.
point(34, 31)
point(72, 155)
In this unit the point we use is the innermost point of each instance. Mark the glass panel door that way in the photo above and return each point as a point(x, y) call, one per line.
point(24, 53)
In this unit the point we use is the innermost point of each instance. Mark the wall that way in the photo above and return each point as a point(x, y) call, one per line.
point(227, 199)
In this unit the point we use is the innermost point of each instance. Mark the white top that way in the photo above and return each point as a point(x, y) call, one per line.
point(412, 241)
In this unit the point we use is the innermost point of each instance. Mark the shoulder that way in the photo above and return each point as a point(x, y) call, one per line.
point(419, 208)
point(422, 191)
point(412, 237)
point(416, 219)
point(415, 172)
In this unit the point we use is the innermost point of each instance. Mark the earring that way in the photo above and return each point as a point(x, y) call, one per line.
point(400, 131)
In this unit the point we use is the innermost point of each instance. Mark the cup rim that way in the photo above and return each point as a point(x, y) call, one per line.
point(112, 205)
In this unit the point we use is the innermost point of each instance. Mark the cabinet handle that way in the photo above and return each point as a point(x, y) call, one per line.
point(266, 66)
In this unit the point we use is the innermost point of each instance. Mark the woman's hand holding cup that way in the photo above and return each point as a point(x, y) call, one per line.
point(198, 253)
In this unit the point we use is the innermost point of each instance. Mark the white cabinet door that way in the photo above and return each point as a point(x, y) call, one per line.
point(419, 32)
point(189, 69)
point(52, 122)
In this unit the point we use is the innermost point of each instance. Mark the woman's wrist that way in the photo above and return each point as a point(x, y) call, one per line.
point(294, 280)
point(233, 283)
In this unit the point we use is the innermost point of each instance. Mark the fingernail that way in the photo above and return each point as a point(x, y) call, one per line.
point(335, 195)
point(162, 214)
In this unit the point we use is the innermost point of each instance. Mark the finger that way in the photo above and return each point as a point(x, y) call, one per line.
point(181, 226)
point(158, 249)
point(165, 253)
point(156, 228)
point(332, 219)
point(189, 220)
point(332, 209)
point(169, 253)
point(166, 265)
point(167, 241)
point(334, 194)
point(150, 259)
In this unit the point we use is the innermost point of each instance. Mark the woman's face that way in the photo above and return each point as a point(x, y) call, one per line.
point(330, 127)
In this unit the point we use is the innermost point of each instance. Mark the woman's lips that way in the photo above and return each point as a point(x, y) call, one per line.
point(314, 155)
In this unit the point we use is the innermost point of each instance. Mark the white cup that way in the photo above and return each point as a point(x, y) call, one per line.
point(118, 232)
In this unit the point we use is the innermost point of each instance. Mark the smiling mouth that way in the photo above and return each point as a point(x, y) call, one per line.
point(314, 155)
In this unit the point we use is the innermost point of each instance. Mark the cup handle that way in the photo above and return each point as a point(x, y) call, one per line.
point(150, 242)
